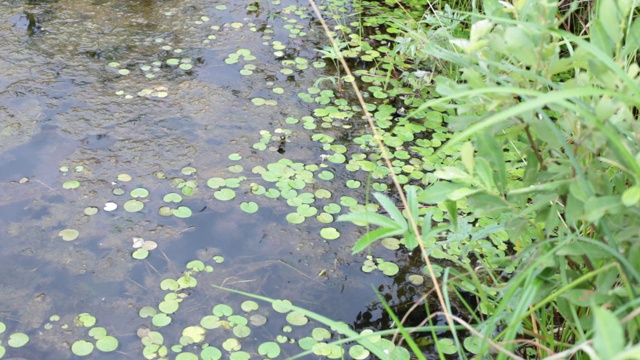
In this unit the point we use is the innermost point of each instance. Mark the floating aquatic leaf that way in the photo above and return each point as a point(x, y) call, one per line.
point(416, 279)
point(249, 305)
point(169, 306)
point(123, 72)
point(82, 348)
point(296, 318)
point(388, 268)
point(107, 344)
point(71, 184)
point(169, 284)
point(236, 168)
point(306, 210)
point(326, 175)
point(332, 208)
point(186, 67)
point(269, 349)
point(282, 306)
point(222, 310)
point(224, 194)
point(235, 157)
point(85, 319)
point(295, 218)
point(124, 177)
point(249, 207)
point(210, 353)
point(69, 234)
point(241, 331)
point(90, 210)
point(320, 334)
point(216, 182)
point(146, 312)
point(231, 344)
point(133, 205)
point(187, 356)
point(391, 243)
point(353, 184)
point(17, 340)
point(182, 212)
point(329, 233)
point(188, 170)
point(258, 320)
point(172, 197)
point(118, 192)
point(97, 332)
point(139, 193)
point(161, 319)
point(149, 245)
point(218, 259)
point(325, 218)
point(140, 254)
point(196, 333)
point(165, 211)
point(358, 352)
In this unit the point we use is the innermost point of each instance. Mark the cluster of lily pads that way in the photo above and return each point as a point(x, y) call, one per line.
point(13, 340)
point(97, 336)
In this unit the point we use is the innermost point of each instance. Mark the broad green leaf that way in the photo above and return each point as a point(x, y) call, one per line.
point(372, 236)
point(392, 209)
point(609, 336)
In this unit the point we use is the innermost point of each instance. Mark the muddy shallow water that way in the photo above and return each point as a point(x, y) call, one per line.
point(88, 93)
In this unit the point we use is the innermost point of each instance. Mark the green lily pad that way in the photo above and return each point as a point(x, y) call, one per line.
point(165, 211)
point(97, 332)
point(140, 254)
point(82, 348)
point(161, 319)
point(269, 349)
point(69, 234)
point(71, 184)
point(241, 331)
point(187, 356)
point(172, 198)
point(388, 268)
point(210, 353)
point(222, 310)
point(329, 233)
point(196, 333)
point(17, 340)
point(295, 218)
point(90, 210)
point(107, 344)
point(235, 156)
point(133, 205)
point(249, 207)
point(296, 318)
point(124, 177)
point(224, 194)
point(358, 352)
point(182, 212)
point(139, 193)
point(249, 305)
point(282, 306)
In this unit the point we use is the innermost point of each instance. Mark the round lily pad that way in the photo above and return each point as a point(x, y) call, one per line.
point(249, 207)
point(133, 205)
point(82, 348)
point(182, 212)
point(69, 234)
point(161, 319)
point(107, 344)
point(187, 356)
point(71, 184)
point(282, 306)
point(295, 218)
point(139, 193)
point(124, 177)
point(210, 353)
point(249, 305)
point(388, 268)
point(296, 318)
point(17, 340)
point(90, 210)
point(329, 233)
point(172, 197)
point(224, 194)
point(140, 254)
point(269, 349)
point(189, 170)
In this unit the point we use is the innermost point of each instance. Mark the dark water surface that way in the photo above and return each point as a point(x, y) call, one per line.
point(63, 105)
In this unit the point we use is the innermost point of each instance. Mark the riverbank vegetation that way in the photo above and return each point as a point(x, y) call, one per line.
point(510, 131)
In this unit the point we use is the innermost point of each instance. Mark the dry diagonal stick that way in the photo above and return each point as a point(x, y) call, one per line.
point(387, 162)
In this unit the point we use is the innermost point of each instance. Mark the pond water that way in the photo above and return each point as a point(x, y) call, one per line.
point(184, 116)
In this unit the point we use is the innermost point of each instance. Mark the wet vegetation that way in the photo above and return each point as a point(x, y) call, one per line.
point(277, 179)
